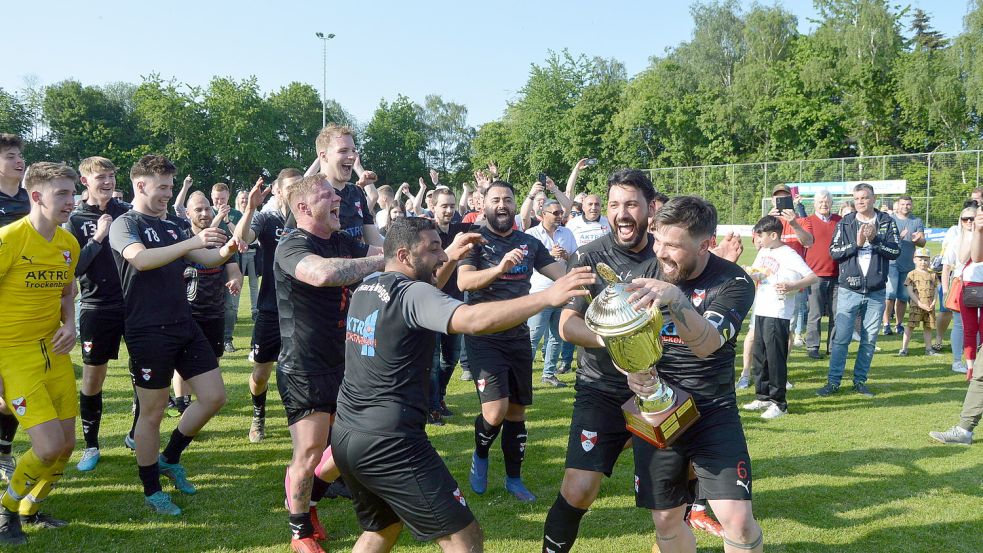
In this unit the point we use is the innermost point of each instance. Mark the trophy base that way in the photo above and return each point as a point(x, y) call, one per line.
point(661, 429)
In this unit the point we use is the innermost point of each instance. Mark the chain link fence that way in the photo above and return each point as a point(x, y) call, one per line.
point(938, 182)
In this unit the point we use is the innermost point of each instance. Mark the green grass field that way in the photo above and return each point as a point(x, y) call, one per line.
point(838, 474)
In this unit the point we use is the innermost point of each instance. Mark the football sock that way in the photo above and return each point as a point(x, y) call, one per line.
point(513, 447)
point(8, 427)
point(484, 436)
point(150, 476)
point(29, 471)
point(90, 412)
point(562, 526)
point(176, 445)
point(259, 405)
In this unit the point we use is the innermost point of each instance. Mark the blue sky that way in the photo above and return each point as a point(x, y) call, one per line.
point(474, 53)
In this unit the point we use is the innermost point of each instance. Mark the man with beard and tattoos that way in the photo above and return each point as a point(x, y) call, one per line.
point(704, 300)
point(314, 267)
point(597, 431)
point(502, 362)
point(102, 313)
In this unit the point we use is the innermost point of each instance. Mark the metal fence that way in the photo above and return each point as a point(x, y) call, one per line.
point(938, 182)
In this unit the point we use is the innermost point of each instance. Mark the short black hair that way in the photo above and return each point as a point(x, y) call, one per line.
point(404, 233)
point(499, 184)
point(635, 179)
point(971, 203)
point(768, 223)
point(864, 186)
point(693, 213)
point(660, 197)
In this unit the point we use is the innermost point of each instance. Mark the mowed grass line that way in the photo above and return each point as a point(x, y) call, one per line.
point(843, 473)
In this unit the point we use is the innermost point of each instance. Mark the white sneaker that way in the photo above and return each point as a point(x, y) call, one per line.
point(758, 405)
point(743, 383)
point(773, 412)
point(959, 367)
point(798, 342)
point(789, 385)
point(856, 336)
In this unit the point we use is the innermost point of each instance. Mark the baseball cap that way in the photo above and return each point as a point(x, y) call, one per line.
point(781, 188)
point(922, 252)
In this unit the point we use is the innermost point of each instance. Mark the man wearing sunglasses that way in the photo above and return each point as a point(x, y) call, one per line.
point(560, 243)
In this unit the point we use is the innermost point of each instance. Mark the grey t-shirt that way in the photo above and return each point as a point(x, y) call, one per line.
point(392, 324)
point(906, 261)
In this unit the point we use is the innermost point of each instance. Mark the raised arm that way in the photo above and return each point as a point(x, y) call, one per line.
point(462, 202)
point(526, 211)
point(489, 317)
point(571, 190)
point(418, 199)
point(182, 197)
point(367, 180)
point(257, 195)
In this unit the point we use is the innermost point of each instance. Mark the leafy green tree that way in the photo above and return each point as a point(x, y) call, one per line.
point(448, 137)
point(84, 121)
point(395, 142)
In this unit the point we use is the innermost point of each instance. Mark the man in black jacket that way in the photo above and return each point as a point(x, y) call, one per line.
point(864, 244)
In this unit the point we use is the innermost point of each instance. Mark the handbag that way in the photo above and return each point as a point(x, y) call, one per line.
point(973, 296)
point(953, 298)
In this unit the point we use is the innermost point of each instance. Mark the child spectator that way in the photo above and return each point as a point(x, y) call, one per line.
point(921, 289)
point(780, 272)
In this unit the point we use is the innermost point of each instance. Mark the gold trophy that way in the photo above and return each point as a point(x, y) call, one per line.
point(632, 339)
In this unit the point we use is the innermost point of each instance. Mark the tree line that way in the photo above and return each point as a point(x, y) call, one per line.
point(870, 78)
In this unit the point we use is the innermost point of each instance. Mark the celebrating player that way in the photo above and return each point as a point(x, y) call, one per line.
point(161, 336)
point(37, 331)
point(501, 269)
point(101, 318)
point(267, 226)
point(313, 267)
point(380, 443)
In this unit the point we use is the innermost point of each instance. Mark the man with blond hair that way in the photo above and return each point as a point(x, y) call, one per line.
point(101, 316)
point(14, 205)
point(337, 157)
point(161, 336)
point(37, 332)
point(314, 267)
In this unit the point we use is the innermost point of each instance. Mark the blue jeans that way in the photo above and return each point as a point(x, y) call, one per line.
point(895, 288)
point(849, 305)
point(446, 352)
point(801, 311)
point(546, 325)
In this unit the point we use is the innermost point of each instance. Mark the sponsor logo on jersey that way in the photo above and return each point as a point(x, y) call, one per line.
point(68, 256)
point(460, 497)
point(87, 347)
point(20, 406)
point(698, 296)
point(358, 208)
point(588, 440)
point(173, 233)
point(362, 333)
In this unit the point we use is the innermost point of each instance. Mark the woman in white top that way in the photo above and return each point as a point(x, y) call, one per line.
point(955, 254)
point(972, 276)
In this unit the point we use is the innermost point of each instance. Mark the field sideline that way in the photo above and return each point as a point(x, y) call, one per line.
point(838, 474)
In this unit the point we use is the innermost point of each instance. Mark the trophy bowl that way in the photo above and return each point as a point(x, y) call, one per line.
point(632, 339)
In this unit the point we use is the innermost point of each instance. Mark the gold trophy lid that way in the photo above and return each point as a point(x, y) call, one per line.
point(610, 314)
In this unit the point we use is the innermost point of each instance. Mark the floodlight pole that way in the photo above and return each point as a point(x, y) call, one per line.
point(324, 75)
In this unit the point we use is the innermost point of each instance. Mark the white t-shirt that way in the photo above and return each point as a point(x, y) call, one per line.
point(561, 236)
point(585, 231)
point(780, 264)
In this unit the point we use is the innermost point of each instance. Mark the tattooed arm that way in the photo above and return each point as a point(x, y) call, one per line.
point(697, 332)
point(333, 271)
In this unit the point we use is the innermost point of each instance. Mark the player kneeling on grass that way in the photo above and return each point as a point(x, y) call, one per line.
point(379, 442)
point(37, 332)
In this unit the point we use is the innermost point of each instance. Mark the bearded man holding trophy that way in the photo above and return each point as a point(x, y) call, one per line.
point(686, 410)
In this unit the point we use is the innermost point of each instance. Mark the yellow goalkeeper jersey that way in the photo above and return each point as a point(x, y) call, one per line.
point(33, 273)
